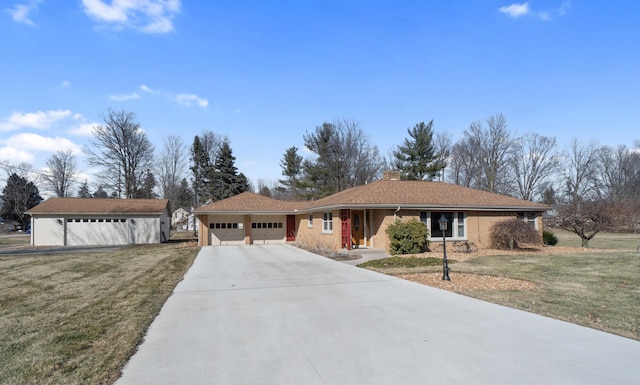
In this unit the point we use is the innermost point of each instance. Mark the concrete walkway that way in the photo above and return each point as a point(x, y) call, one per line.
point(277, 315)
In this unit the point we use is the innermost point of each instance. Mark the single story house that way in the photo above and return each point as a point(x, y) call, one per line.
point(359, 216)
point(97, 221)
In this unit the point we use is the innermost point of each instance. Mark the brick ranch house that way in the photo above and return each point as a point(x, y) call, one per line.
point(359, 216)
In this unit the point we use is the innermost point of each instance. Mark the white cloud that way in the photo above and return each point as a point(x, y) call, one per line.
point(147, 89)
point(515, 10)
point(124, 97)
point(84, 129)
point(148, 16)
point(65, 84)
point(38, 119)
point(189, 99)
point(183, 98)
point(20, 12)
point(29, 141)
point(16, 156)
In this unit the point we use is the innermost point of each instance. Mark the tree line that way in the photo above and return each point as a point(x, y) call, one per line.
point(589, 185)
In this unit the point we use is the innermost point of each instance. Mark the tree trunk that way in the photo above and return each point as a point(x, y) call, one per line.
point(585, 242)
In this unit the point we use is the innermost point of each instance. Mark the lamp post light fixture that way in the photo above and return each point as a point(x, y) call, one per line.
point(445, 266)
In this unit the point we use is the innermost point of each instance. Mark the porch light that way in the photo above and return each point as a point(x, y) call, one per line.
point(443, 228)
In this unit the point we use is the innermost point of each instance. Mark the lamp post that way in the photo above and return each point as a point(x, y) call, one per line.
point(443, 227)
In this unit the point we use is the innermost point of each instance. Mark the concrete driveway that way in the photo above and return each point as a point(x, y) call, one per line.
point(278, 315)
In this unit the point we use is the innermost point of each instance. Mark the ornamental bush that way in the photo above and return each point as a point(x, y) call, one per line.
point(549, 238)
point(513, 233)
point(408, 237)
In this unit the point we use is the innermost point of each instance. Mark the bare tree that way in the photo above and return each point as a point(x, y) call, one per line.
point(170, 164)
point(123, 152)
point(620, 173)
point(582, 210)
point(344, 157)
point(479, 159)
point(534, 160)
point(581, 169)
point(585, 218)
point(61, 173)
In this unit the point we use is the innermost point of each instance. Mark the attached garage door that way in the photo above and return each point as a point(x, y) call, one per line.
point(268, 229)
point(227, 230)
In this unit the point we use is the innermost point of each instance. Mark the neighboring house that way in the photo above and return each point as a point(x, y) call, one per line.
point(95, 221)
point(181, 219)
point(360, 216)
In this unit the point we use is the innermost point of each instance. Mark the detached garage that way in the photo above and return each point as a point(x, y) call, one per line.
point(82, 222)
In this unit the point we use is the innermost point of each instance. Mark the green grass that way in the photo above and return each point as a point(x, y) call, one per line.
point(617, 241)
point(77, 318)
point(595, 289)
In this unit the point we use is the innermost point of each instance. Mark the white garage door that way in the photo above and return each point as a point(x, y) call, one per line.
point(91, 231)
point(227, 230)
point(268, 229)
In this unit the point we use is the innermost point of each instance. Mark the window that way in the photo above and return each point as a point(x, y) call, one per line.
point(529, 218)
point(310, 222)
point(327, 222)
point(456, 223)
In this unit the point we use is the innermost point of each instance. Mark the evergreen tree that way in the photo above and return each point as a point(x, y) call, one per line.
point(184, 196)
point(291, 164)
point(83, 191)
point(100, 193)
point(18, 196)
point(201, 168)
point(226, 180)
point(418, 158)
point(146, 191)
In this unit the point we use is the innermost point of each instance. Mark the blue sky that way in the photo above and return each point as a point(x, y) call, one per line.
point(264, 73)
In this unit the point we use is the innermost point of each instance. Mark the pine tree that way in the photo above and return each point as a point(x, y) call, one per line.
point(202, 169)
point(291, 164)
point(83, 191)
point(18, 196)
point(418, 158)
point(226, 181)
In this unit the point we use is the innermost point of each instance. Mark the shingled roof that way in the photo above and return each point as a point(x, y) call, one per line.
point(381, 194)
point(249, 202)
point(88, 206)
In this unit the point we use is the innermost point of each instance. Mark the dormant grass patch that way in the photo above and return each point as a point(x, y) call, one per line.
point(76, 318)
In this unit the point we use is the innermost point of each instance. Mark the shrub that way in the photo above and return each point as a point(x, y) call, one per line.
point(549, 238)
point(512, 233)
point(409, 237)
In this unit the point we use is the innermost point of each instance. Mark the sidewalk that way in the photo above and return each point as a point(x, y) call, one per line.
point(278, 315)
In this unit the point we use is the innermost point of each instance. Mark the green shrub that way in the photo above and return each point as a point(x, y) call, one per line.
point(549, 238)
point(512, 233)
point(409, 237)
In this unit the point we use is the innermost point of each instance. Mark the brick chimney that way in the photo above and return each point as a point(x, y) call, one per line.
point(391, 175)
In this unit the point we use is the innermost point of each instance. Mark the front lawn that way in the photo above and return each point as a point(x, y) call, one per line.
point(593, 287)
point(77, 318)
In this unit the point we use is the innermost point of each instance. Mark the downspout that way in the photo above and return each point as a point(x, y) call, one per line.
point(395, 213)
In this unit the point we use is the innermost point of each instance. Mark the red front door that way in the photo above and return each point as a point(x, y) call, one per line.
point(345, 219)
point(291, 228)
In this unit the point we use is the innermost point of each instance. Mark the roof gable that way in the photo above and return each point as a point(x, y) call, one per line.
point(100, 206)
